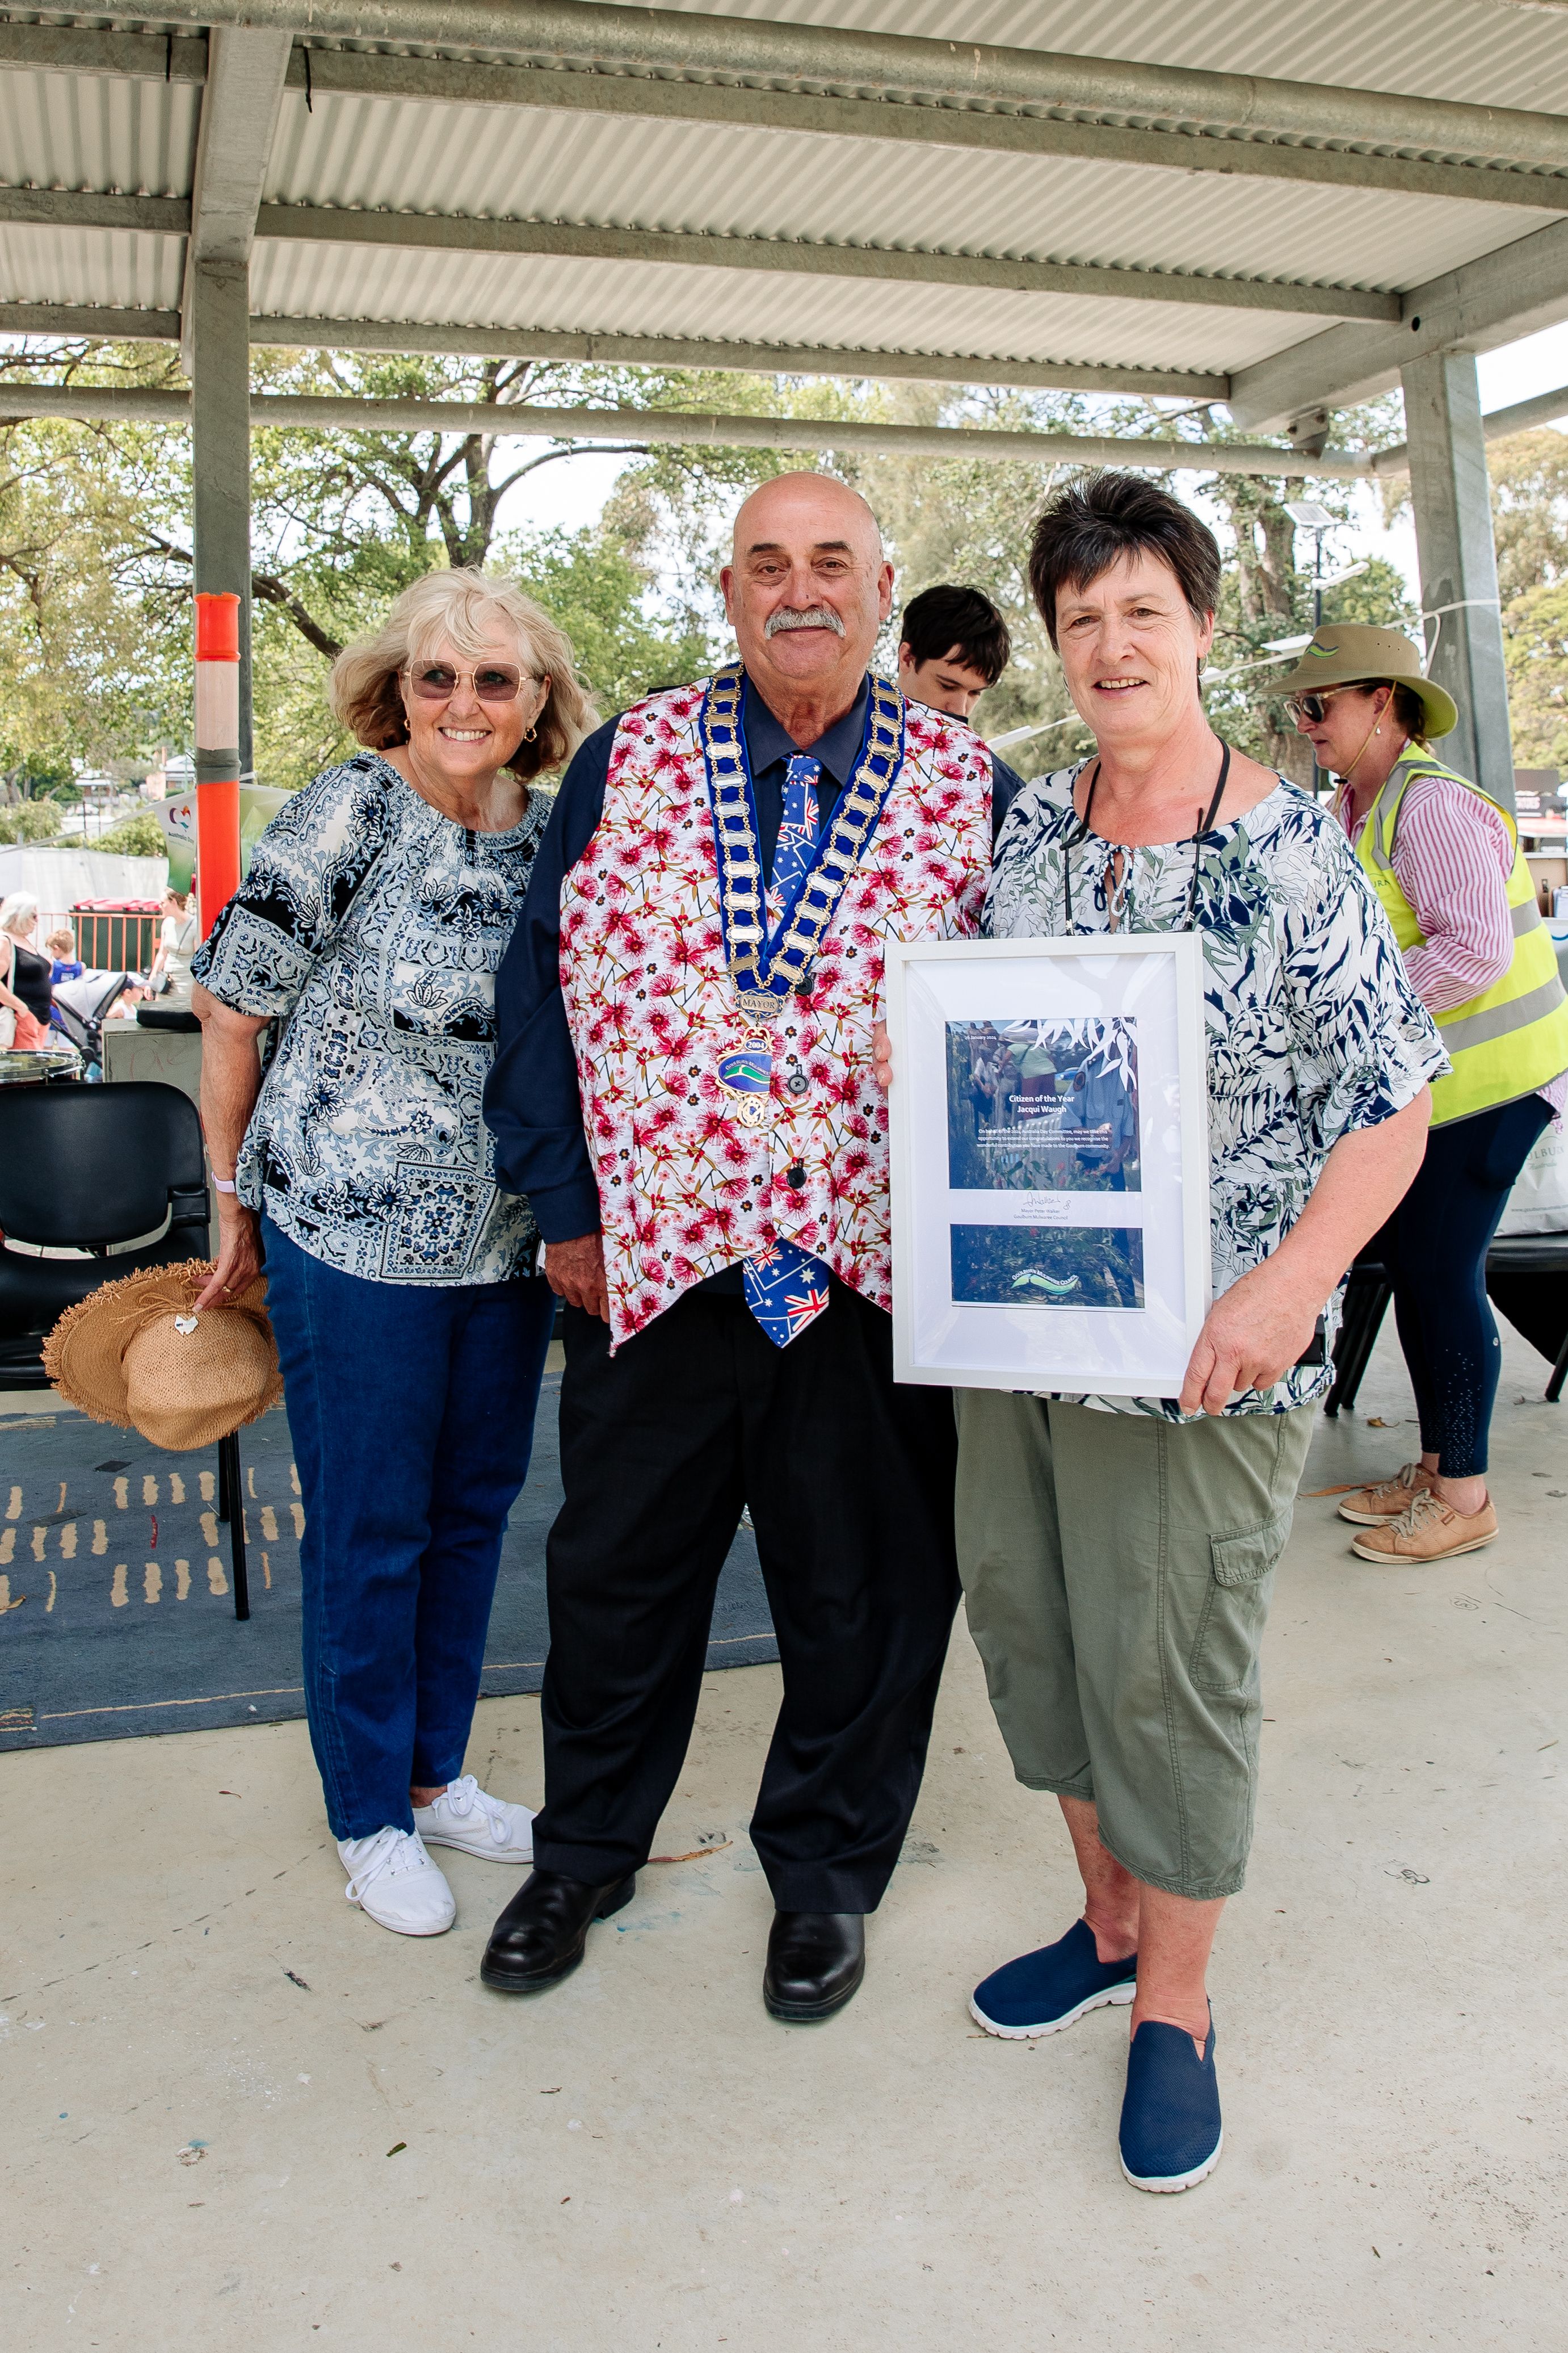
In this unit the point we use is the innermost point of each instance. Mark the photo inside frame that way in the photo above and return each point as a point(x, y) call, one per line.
point(1047, 1266)
point(1049, 1163)
point(1043, 1107)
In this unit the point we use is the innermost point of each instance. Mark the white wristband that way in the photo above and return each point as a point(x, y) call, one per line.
point(225, 1184)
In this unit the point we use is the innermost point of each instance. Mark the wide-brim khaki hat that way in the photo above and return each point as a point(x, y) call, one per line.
point(138, 1354)
point(1353, 653)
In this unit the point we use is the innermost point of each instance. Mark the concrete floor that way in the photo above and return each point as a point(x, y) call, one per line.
point(228, 2096)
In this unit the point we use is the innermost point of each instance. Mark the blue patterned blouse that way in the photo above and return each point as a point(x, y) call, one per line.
point(372, 926)
point(1314, 1029)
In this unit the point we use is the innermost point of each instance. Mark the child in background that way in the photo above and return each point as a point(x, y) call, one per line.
point(66, 965)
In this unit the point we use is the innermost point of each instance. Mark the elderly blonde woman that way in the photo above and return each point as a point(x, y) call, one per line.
point(24, 974)
point(411, 1326)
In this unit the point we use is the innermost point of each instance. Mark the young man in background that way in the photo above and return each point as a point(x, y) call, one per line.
point(954, 645)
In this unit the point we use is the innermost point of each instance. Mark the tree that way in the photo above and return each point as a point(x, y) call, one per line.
point(95, 547)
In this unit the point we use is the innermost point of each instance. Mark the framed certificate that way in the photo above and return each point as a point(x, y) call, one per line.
point(1051, 1164)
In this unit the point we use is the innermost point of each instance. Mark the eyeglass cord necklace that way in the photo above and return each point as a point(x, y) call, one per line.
point(1117, 903)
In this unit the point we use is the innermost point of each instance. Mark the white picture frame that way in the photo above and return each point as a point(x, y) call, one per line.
point(1005, 1273)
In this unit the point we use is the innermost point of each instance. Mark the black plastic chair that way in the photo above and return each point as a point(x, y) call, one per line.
point(81, 1168)
point(1369, 1291)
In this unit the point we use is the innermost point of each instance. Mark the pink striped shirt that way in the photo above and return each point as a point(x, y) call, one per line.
point(1452, 858)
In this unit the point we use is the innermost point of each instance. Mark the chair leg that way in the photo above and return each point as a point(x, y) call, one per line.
point(1358, 1339)
point(230, 1484)
point(1554, 1386)
point(223, 1446)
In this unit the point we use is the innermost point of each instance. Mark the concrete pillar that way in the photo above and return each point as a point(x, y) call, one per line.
point(1451, 492)
point(220, 298)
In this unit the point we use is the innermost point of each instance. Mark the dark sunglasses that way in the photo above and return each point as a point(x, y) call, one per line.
point(438, 682)
point(1313, 708)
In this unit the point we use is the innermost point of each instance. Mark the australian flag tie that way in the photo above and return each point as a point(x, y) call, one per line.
point(785, 1289)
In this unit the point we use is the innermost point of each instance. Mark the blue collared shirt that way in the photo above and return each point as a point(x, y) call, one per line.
point(532, 1105)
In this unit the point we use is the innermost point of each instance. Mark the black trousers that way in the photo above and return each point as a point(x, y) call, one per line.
point(849, 1478)
point(1435, 1251)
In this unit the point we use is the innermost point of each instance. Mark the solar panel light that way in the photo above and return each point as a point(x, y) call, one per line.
point(1309, 516)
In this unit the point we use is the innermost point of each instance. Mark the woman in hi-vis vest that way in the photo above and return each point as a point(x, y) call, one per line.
point(1444, 857)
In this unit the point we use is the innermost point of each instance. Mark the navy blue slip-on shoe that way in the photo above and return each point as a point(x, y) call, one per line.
point(1041, 1992)
point(1171, 2134)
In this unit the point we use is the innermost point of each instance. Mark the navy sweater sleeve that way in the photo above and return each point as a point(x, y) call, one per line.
point(532, 1106)
point(1006, 787)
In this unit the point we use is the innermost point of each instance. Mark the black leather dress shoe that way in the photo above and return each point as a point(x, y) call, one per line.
point(540, 1936)
point(816, 1961)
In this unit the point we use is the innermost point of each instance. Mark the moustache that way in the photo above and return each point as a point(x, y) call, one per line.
point(819, 616)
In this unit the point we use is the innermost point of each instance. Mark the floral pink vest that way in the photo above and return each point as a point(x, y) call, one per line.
point(685, 1187)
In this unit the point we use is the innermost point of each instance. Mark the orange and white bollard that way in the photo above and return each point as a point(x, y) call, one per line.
point(217, 755)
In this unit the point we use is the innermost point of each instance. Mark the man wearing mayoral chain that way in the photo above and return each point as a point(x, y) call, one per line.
point(684, 1091)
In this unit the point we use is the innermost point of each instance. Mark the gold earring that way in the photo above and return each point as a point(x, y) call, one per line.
point(529, 733)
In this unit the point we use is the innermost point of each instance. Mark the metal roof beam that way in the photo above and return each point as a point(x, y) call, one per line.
point(739, 359)
point(80, 320)
point(584, 86)
point(130, 56)
point(1507, 294)
point(343, 225)
point(72, 208)
point(337, 413)
point(583, 89)
point(239, 115)
point(1497, 424)
point(672, 43)
point(564, 240)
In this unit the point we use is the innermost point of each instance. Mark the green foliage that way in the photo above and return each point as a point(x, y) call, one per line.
point(30, 821)
point(140, 836)
point(1530, 510)
point(593, 587)
point(969, 519)
point(1535, 648)
point(95, 563)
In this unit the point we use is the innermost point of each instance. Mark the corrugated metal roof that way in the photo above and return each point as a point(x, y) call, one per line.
point(52, 264)
point(639, 298)
point(92, 131)
point(547, 165)
point(1467, 49)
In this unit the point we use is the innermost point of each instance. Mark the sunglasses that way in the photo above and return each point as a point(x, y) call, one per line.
point(1314, 708)
point(492, 682)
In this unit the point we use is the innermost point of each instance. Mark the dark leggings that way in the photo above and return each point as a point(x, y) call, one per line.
point(1434, 1248)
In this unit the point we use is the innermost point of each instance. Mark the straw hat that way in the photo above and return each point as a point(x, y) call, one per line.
point(1353, 653)
point(136, 1353)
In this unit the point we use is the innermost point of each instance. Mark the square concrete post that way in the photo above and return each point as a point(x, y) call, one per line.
point(1452, 496)
point(220, 419)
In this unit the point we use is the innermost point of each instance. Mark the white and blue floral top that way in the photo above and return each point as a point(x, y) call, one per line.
point(1314, 1029)
point(373, 925)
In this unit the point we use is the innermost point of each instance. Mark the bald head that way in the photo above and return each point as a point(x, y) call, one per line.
point(818, 505)
point(807, 589)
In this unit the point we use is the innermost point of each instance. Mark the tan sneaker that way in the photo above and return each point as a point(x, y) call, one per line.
point(1368, 1507)
point(1427, 1530)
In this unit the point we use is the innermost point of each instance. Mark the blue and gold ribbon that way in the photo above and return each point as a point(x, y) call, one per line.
point(765, 969)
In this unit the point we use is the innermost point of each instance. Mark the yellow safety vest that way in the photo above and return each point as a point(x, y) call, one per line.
point(1513, 1036)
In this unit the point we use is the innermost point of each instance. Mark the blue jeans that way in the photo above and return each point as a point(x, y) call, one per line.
point(411, 1409)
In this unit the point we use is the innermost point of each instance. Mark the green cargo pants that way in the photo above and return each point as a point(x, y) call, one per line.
point(1117, 1572)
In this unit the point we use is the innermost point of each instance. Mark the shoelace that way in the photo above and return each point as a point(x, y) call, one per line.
point(466, 1796)
point(1405, 1479)
point(395, 1851)
point(1422, 1507)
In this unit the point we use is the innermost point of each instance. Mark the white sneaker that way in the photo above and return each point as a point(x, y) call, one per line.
point(393, 1879)
point(466, 1817)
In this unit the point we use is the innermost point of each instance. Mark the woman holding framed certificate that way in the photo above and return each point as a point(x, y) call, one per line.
point(1118, 1550)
